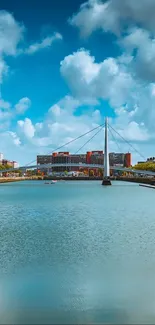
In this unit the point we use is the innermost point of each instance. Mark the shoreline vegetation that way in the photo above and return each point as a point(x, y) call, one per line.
point(141, 180)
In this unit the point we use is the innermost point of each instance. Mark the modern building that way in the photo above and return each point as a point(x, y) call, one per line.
point(91, 157)
point(15, 164)
point(44, 159)
point(8, 163)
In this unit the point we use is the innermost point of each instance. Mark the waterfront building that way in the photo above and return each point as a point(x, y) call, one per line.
point(15, 164)
point(6, 162)
point(91, 157)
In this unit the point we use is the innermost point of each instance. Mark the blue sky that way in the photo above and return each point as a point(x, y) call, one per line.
point(64, 65)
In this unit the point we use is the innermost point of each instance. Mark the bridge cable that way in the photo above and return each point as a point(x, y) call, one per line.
point(125, 159)
point(89, 140)
point(67, 143)
point(115, 139)
point(127, 142)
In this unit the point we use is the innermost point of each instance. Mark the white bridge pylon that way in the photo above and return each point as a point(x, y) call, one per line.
point(106, 176)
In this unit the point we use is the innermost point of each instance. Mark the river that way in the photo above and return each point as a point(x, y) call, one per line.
point(77, 252)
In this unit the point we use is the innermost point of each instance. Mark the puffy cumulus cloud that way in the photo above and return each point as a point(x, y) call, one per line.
point(114, 16)
point(11, 33)
point(130, 128)
point(59, 124)
point(79, 70)
point(141, 45)
point(112, 80)
point(23, 105)
point(108, 79)
point(133, 21)
point(44, 43)
point(26, 127)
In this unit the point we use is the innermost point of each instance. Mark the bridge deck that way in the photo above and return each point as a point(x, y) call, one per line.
point(80, 165)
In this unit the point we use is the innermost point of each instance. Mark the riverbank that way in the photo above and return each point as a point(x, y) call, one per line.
point(12, 180)
point(139, 180)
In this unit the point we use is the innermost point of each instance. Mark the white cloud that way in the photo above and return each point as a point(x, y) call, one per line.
point(9, 112)
point(114, 16)
point(4, 104)
point(15, 138)
point(11, 33)
point(134, 131)
point(113, 81)
point(45, 43)
point(26, 127)
point(90, 17)
point(55, 110)
point(23, 105)
point(4, 115)
point(61, 124)
point(68, 102)
point(117, 80)
point(133, 21)
point(81, 65)
point(107, 80)
point(141, 45)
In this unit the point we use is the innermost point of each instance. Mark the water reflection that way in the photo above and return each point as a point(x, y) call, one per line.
point(86, 258)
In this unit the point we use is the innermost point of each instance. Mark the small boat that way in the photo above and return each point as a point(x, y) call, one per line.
point(53, 182)
point(46, 183)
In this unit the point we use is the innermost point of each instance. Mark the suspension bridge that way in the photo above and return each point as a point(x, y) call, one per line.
point(105, 166)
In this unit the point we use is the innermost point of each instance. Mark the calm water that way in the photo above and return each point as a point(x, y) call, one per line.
point(77, 252)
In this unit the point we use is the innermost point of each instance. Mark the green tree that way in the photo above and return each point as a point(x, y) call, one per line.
point(91, 173)
point(150, 166)
point(100, 171)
